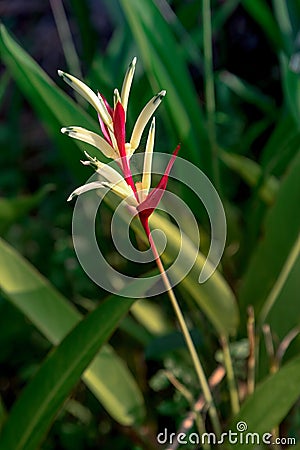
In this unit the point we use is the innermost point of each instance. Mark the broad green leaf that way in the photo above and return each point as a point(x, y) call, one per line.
point(281, 229)
point(271, 401)
point(151, 316)
point(168, 70)
point(107, 377)
point(51, 104)
point(34, 411)
point(252, 174)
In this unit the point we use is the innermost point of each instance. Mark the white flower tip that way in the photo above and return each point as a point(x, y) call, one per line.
point(159, 97)
point(71, 196)
point(68, 131)
point(85, 163)
point(133, 62)
point(60, 73)
point(89, 156)
point(117, 97)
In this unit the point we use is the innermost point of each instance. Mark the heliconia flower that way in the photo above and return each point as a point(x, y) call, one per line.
point(113, 145)
point(140, 197)
point(112, 119)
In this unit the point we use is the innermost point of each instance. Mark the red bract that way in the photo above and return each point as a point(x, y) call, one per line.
point(146, 208)
point(119, 132)
point(104, 128)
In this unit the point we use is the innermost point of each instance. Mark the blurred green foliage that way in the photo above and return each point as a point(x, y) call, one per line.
point(44, 293)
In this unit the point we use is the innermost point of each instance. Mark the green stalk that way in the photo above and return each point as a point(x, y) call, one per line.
point(233, 393)
point(190, 345)
point(65, 37)
point(252, 350)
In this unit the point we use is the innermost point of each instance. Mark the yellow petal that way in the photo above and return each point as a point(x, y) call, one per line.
point(143, 119)
point(117, 98)
point(127, 84)
point(123, 191)
point(91, 138)
point(146, 179)
point(89, 95)
point(85, 188)
point(115, 181)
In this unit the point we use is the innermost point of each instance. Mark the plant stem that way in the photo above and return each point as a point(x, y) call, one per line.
point(196, 361)
point(233, 393)
point(188, 396)
point(209, 88)
point(252, 349)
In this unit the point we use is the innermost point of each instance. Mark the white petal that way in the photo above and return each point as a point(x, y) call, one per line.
point(88, 94)
point(146, 179)
point(91, 138)
point(85, 188)
point(127, 84)
point(115, 181)
point(124, 191)
point(143, 119)
point(117, 98)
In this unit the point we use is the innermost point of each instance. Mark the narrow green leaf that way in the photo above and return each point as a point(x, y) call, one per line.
point(55, 108)
point(35, 409)
point(282, 145)
point(107, 377)
point(281, 229)
point(252, 174)
point(12, 209)
point(284, 23)
point(169, 71)
point(271, 401)
point(291, 87)
point(248, 93)
point(262, 14)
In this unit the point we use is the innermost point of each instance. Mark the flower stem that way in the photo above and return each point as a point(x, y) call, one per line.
point(252, 350)
point(196, 361)
point(233, 393)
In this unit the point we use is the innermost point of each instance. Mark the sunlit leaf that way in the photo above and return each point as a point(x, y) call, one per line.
point(54, 316)
point(271, 401)
point(34, 411)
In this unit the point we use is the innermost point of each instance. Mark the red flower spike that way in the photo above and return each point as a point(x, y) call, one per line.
point(108, 107)
point(103, 127)
point(146, 208)
point(119, 131)
point(119, 128)
point(104, 130)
